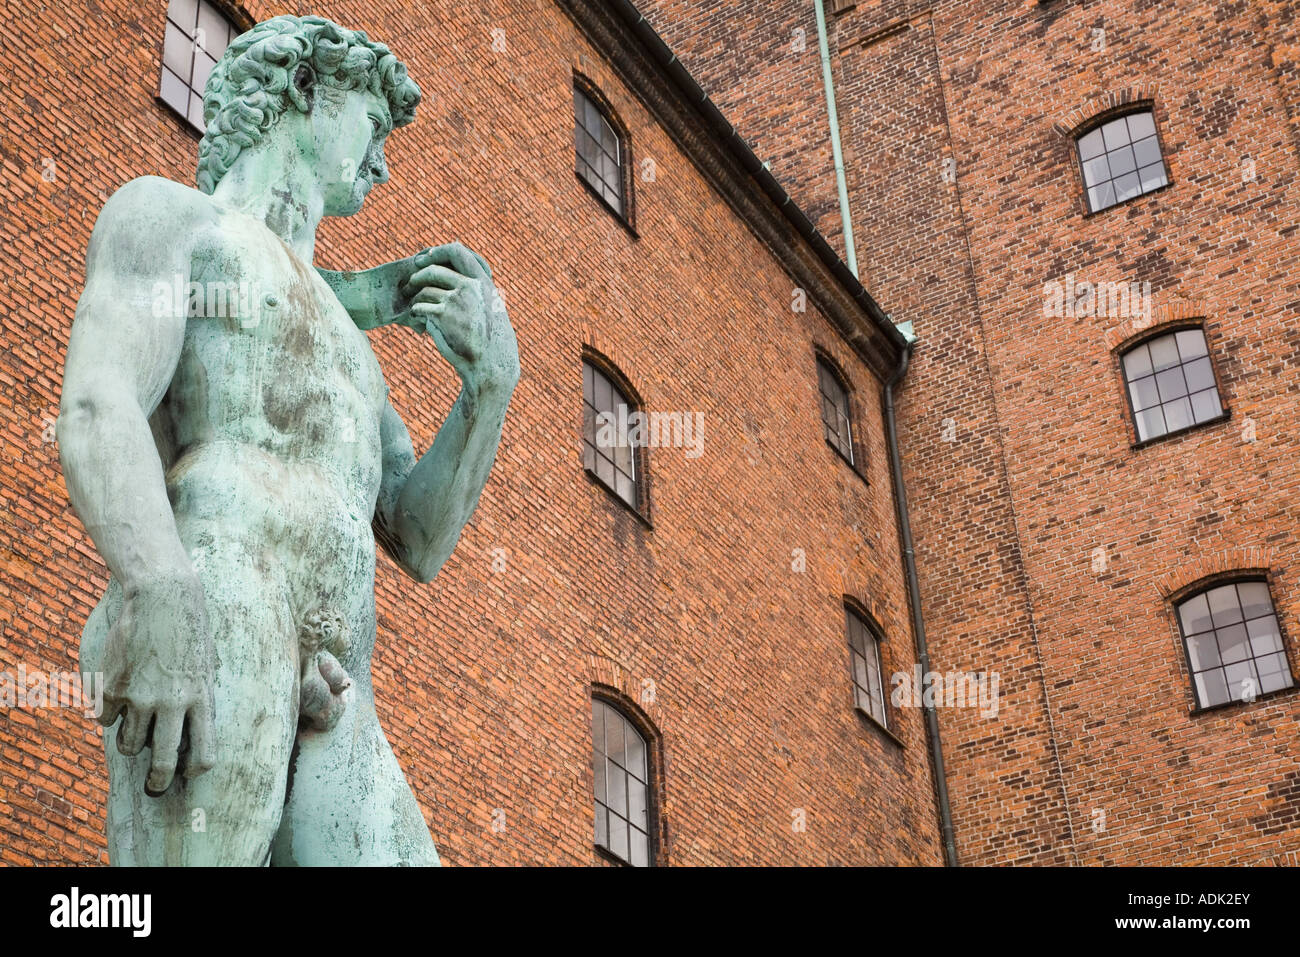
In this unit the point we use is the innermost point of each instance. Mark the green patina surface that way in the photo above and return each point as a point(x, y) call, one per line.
point(227, 440)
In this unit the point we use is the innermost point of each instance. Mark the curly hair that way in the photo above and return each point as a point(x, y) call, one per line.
point(274, 66)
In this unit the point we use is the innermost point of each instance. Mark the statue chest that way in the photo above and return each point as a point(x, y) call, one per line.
point(272, 358)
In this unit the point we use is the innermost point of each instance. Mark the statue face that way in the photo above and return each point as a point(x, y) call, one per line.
point(348, 131)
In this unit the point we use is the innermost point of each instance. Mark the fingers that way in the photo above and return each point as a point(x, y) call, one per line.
point(433, 294)
point(460, 258)
point(112, 708)
point(133, 731)
point(435, 275)
point(203, 753)
point(166, 746)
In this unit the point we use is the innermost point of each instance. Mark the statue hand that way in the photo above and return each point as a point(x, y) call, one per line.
point(452, 292)
point(159, 663)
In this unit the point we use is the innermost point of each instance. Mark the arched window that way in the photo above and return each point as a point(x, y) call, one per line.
point(601, 159)
point(1171, 385)
point(868, 673)
point(197, 34)
point(1233, 643)
point(836, 416)
point(1121, 160)
point(620, 763)
point(612, 436)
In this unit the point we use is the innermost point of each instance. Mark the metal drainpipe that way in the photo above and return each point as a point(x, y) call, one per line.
point(850, 254)
point(914, 593)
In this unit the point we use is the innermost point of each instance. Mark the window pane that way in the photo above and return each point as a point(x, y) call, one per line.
point(1224, 608)
point(625, 488)
point(1191, 343)
point(1211, 688)
point(635, 754)
point(1127, 186)
point(636, 804)
point(616, 782)
point(203, 65)
point(1234, 643)
point(1099, 197)
point(1153, 177)
point(1203, 651)
point(618, 836)
point(602, 826)
point(640, 854)
point(1140, 125)
point(1206, 406)
point(1199, 375)
point(1115, 133)
point(1164, 352)
point(1147, 151)
point(1150, 423)
point(212, 28)
point(1178, 414)
point(614, 747)
point(1254, 598)
point(1264, 636)
point(1091, 145)
point(1195, 615)
point(178, 51)
point(1144, 393)
point(1274, 673)
point(599, 776)
point(1242, 680)
point(1096, 170)
point(1121, 161)
point(1137, 362)
point(1171, 384)
point(598, 725)
point(184, 12)
point(174, 93)
point(195, 115)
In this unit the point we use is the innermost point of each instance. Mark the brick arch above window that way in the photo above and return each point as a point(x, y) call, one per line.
point(621, 685)
point(1165, 313)
point(1106, 106)
point(1193, 574)
point(603, 350)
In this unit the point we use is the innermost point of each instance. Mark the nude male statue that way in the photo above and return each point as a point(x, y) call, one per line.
point(236, 470)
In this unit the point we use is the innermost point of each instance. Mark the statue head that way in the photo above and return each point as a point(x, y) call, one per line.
point(334, 91)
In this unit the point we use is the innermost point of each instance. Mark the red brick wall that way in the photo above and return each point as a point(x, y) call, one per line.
point(484, 678)
point(1041, 472)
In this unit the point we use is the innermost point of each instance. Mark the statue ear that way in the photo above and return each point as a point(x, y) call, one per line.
point(302, 87)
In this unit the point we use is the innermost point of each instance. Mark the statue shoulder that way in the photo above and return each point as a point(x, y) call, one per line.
point(157, 210)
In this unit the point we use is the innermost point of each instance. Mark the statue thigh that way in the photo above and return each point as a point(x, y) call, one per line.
point(229, 815)
point(349, 803)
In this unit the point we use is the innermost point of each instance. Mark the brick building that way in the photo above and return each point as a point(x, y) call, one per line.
point(1063, 540)
point(726, 605)
point(1061, 521)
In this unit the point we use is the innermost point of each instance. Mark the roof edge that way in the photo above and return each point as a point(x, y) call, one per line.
point(654, 74)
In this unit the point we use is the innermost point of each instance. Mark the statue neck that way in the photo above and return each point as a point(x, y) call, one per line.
point(286, 197)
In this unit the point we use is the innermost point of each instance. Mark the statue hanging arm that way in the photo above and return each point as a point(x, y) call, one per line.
point(122, 352)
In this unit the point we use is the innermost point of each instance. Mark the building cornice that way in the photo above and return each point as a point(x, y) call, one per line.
point(657, 78)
